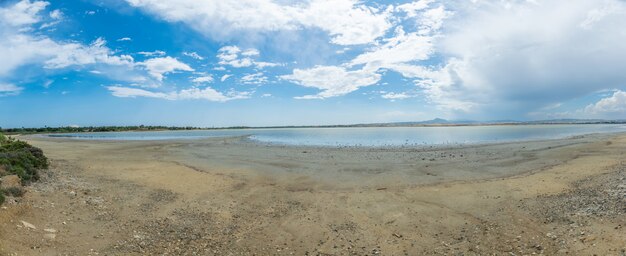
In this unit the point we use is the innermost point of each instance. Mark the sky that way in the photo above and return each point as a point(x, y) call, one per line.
point(308, 62)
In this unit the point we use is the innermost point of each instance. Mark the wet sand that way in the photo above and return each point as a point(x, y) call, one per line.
point(235, 197)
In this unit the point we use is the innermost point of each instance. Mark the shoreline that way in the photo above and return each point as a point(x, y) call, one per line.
point(221, 196)
point(401, 166)
point(246, 139)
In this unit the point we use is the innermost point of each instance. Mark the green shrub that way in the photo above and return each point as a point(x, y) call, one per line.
point(21, 159)
point(14, 191)
point(1, 198)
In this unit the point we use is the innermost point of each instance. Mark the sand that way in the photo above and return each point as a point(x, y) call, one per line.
point(236, 197)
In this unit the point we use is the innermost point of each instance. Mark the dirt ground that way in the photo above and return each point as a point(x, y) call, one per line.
point(233, 197)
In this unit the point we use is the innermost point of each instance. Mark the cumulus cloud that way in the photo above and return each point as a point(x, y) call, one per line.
point(203, 79)
point(401, 52)
point(332, 80)
point(346, 21)
point(413, 9)
point(157, 67)
point(522, 55)
point(22, 13)
point(24, 44)
point(207, 93)
point(69, 54)
point(235, 57)
point(612, 105)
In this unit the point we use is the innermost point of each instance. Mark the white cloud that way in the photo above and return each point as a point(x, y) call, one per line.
point(614, 104)
point(22, 13)
point(9, 89)
point(229, 55)
point(235, 57)
point(56, 17)
point(346, 21)
point(251, 52)
point(153, 53)
point(257, 78)
point(157, 67)
point(332, 80)
point(401, 53)
point(413, 9)
point(194, 55)
point(56, 14)
point(23, 45)
point(224, 77)
point(207, 93)
point(497, 65)
point(396, 96)
point(77, 54)
point(203, 79)
point(124, 39)
point(397, 51)
point(127, 92)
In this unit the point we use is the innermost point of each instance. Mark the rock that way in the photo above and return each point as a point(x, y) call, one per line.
point(3, 171)
point(50, 236)
point(10, 182)
point(589, 238)
point(28, 225)
point(72, 193)
point(50, 230)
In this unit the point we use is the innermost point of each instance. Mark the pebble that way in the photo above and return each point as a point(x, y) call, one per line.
point(28, 225)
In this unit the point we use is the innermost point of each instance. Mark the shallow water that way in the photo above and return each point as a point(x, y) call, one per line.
point(371, 136)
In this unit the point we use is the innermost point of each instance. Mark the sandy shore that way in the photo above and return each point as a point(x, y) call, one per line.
point(234, 197)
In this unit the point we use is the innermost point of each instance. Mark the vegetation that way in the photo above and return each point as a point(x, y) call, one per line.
point(72, 129)
point(21, 159)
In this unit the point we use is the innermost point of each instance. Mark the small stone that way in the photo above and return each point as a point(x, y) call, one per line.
point(50, 236)
point(72, 193)
point(587, 239)
point(50, 230)
point(28, 225)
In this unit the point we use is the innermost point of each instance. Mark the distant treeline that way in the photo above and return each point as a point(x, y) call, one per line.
point(430, 123)
point(71, 129)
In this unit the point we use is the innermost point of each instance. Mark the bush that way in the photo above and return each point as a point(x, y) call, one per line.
point(14, 191)
point(21, 159)
point(1, 198)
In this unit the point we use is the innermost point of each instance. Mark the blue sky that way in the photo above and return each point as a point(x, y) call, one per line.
point(307, 62)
